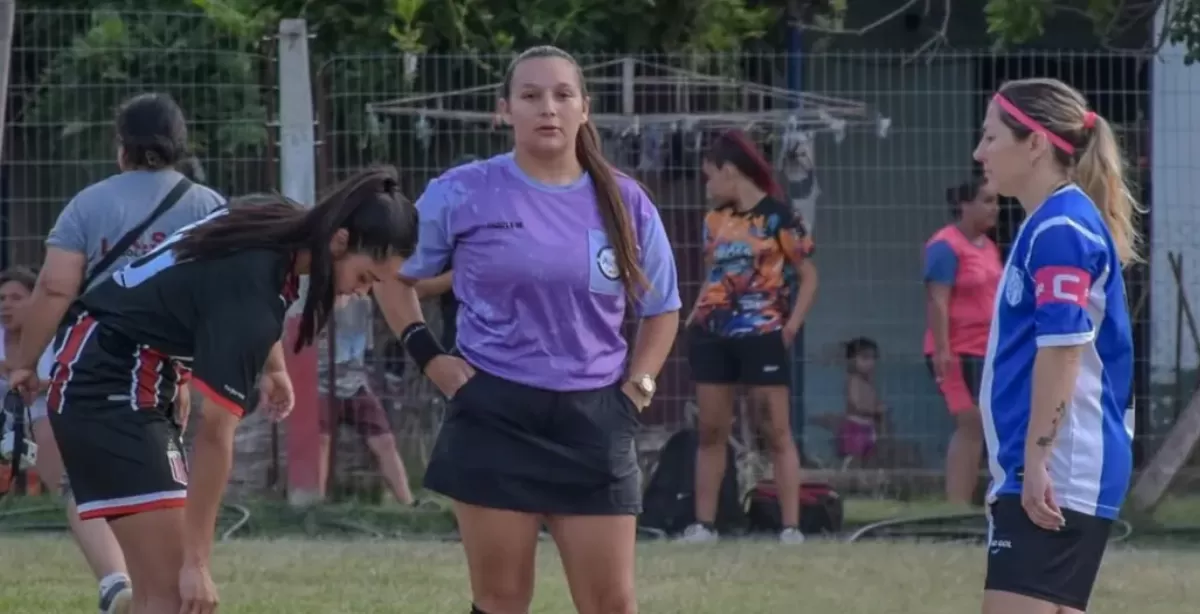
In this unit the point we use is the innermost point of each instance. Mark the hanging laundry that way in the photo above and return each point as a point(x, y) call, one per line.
point(653, 141)
point(798, 161)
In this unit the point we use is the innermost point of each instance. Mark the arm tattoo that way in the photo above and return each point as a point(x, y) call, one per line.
point(1047, 440)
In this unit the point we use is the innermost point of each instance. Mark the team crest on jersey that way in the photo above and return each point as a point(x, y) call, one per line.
point(1014, 287)
point(606, 261)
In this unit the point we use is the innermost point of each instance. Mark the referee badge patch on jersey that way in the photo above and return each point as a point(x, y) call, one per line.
point(606, 260)
point(604, 276)
point(1014, 287)
point(178, 465)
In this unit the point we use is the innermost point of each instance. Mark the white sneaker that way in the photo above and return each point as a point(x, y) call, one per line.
point(118, 599)
point(791, 536)
point(698, 534)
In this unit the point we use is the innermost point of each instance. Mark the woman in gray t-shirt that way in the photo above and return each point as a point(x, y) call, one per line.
point(152, 139)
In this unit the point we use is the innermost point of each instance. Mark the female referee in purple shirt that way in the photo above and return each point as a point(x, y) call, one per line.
point(549, 246)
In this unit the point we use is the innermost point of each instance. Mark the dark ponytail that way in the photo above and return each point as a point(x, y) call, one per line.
point(152, 132)
point(613, 212)
point(379, 220)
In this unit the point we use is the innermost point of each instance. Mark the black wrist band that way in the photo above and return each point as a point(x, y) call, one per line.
point(420, 344)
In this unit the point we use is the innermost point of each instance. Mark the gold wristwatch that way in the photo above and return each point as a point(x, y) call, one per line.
point(645, 384)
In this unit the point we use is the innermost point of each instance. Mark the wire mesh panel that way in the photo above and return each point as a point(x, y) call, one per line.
point(354, 135)
point(882, 200)
point(655, 115)
point(868, 149)
point(70, 72)
point(72, 69)
point(1167, 303)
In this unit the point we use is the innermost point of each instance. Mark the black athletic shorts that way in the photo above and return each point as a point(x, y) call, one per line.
point(1059, 567)
point(753, 360)
point(111, 405)
point(505, 445)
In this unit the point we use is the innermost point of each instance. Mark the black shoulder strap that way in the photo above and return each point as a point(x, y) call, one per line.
point(119, 247)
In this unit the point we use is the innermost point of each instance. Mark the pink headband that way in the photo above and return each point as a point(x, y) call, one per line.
point(1089, 121)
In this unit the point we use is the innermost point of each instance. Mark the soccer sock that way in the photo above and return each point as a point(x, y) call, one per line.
point(107, 582)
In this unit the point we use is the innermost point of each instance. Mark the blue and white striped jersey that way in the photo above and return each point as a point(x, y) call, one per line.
point(1062, 286)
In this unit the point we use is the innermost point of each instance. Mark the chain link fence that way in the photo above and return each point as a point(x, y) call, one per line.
point(867, 147)
point(69, 72)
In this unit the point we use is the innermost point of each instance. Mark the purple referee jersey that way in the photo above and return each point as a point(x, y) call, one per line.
point(541, 301)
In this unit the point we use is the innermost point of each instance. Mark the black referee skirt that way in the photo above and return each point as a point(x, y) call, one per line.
point(509, 446)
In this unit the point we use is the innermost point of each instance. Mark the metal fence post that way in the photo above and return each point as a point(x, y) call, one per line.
point(297, 178)
point(795, 187)
point(8, 14)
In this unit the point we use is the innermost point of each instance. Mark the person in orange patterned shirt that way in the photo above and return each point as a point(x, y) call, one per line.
point(741, 330)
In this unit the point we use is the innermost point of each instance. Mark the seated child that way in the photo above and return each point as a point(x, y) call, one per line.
point(859, 429)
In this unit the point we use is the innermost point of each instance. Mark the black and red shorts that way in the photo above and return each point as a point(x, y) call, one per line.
point(112, 407)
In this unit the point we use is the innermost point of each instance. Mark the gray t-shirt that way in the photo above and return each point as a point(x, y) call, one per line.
point(353, 325)
point(103, 212)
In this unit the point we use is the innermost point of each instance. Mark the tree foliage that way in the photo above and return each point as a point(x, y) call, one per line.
point(490, 26)
point(1019, 21)
point(210, 54)
point(111, 48)
point(77, 63)
point(1115, 24)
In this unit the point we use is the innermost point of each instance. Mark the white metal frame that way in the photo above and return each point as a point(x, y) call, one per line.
point(798, 111)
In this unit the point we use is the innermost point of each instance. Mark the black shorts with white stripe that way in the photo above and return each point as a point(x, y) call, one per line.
point(111, 405)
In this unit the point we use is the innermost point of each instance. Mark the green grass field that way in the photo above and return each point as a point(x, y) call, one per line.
point(290, 562)
point(44, 574)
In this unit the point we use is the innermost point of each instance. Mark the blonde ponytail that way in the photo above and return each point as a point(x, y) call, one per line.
point(1101, 174)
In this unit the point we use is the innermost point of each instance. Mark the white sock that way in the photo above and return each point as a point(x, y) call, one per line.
point(110, 580)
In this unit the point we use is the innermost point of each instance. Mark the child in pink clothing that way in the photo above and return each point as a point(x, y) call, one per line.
point(962, 271)
point(859, 429)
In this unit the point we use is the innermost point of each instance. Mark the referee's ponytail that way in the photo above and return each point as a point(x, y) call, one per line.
point(1084, 144)
point(613, 212)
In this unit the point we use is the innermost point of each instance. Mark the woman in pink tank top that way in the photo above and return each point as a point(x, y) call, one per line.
point(962, 271)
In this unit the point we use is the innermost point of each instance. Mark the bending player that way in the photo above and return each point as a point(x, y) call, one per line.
point(1059, 365)
point(210, 299)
